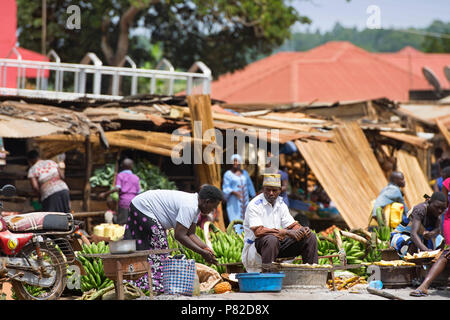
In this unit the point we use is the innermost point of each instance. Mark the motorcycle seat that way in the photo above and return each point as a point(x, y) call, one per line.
point(38, 221)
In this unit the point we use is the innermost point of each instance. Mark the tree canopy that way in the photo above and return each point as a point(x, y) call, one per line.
point(375, 40)
point(224, 34)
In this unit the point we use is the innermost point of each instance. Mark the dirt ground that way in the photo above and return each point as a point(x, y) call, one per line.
point(314, 294)
point(359, 293)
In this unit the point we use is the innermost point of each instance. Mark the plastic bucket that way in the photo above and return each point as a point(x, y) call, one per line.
point(259, 282)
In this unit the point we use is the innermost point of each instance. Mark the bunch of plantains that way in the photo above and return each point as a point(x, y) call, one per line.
point(362, 248)
point(95, 276)
point(227, 246)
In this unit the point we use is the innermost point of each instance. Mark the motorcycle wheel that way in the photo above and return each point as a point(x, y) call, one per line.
point(55, 258)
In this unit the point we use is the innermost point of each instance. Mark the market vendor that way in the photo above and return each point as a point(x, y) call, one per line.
point(270, 167)
point(47, 180)
point(436, 269)
point(127, 186)
point(390, 194)
point(271, 232)
point(238, 190)
point(155, 211)
point(421, 228)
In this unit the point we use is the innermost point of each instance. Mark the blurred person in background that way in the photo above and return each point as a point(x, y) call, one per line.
point(47, 180)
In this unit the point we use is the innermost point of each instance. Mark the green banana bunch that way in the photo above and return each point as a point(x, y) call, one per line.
point(383, 233)
point(325, 248)
point(227, 247)
point(173, 244)
point(354, 250)
point(95, 276)
point(188, 253)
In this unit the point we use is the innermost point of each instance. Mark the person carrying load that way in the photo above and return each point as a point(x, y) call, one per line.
point(389, 208)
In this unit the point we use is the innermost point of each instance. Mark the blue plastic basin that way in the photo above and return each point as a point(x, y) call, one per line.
point(259, 282)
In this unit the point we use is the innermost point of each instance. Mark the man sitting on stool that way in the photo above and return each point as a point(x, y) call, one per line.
point(271, 232)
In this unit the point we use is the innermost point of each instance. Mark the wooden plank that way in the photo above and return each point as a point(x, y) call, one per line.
point(79, 215)
point(88, 173)
point(348, 171)
point(416, 183)
point(153, 142)
point(200, 110)
point(408, 138)
point(258, 122)
point(445, 132)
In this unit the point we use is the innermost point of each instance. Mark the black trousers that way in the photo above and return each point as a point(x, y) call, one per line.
point(57, 202)
point(122, 216)
point(270, 248)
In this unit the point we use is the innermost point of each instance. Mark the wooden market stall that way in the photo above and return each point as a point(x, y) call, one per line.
point(327, 147)
point(348, 171)
point(181, 119)
point(371, 139)
point(20, 124)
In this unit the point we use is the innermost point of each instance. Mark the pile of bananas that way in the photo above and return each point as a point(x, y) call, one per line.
point(35, 291)
point(356, 252)
point(226, 245)
point(95, 276)
point(383, 233)
point(189, 254)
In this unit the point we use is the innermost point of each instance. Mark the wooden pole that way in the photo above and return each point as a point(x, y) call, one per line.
point(116, 171)
point(200, 110)
point(44, 28)
point(88, 173)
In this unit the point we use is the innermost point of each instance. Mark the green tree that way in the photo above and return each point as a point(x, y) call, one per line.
point(439, 40)
point(224, 34)
point(375, 40)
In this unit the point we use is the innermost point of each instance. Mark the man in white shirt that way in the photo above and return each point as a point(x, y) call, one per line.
point(271, 232)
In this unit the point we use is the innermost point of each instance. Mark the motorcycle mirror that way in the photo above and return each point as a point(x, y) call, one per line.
point(8, 190)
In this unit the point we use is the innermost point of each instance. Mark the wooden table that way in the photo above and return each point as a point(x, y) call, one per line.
point(128, 266)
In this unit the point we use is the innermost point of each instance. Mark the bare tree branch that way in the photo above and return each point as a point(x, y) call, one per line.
point(106, 48)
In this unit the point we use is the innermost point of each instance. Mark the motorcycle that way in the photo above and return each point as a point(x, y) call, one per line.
point(36, 250)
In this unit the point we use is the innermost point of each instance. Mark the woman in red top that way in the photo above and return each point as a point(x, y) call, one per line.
point(47, 180)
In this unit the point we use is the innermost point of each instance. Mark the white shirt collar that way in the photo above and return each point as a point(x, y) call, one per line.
point(267, 203)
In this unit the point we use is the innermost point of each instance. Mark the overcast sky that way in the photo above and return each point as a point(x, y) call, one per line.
point(392, 13)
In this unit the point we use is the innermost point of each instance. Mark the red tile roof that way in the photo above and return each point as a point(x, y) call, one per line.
point(335, 71)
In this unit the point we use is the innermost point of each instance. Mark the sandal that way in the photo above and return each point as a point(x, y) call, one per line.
point(418, 293)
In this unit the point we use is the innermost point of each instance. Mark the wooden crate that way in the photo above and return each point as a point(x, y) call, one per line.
point(23, 186)
point(75, 183)
point(21, 207)
point(16, 170)
point(95, 205)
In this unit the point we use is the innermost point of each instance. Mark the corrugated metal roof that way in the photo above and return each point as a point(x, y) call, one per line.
point(427, 112)
point(412, 61)
point(21, 128)
point(22, 120)
point(332, 72)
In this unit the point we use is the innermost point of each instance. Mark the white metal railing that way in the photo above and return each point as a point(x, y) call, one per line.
point(92, 65)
